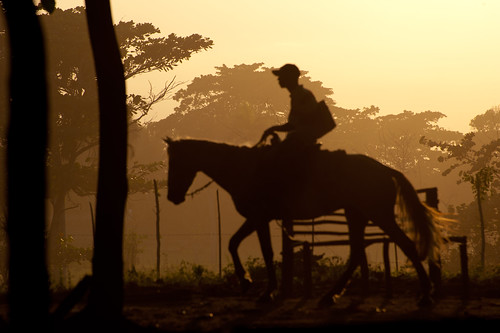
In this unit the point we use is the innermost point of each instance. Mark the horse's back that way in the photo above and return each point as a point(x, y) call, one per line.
point(373, 180)
point(316, 183)
point(354, 176)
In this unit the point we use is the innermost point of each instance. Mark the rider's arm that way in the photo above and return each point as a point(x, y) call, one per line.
point(287, 127)
point(278, 128)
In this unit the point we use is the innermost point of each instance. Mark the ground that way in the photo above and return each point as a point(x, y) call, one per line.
point(223, 310)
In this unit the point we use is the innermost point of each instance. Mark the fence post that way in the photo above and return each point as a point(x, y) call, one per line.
point(387, 268)
point(219, 231)
point(92, 219)
point(157, 202)
point(287, 258)
point(464, 263)
point(431, 199)
point(306, 249)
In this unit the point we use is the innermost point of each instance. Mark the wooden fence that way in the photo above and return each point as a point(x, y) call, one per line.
point(373, 235)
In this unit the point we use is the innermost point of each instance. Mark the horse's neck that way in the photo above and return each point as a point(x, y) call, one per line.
point(227, 165)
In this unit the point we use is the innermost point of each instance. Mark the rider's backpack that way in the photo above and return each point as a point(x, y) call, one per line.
point(321, 121)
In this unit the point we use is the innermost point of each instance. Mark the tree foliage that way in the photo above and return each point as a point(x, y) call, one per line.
point(142, 51)
point(237, 103)
point(476, 157)
point(73, 90)
point(477, 153)
point(233, 105)
point(73, 116)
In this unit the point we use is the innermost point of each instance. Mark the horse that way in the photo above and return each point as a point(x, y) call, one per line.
point(326, 181)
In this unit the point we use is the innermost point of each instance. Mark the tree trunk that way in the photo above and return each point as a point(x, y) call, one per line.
point(106, 294)
point(26, 161)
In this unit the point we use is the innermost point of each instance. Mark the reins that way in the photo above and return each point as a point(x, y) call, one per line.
point(198, 190)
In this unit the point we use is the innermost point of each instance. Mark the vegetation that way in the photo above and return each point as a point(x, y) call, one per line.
point(72, 155)
point(476, 159)
point(195, 277)
point(190, 274)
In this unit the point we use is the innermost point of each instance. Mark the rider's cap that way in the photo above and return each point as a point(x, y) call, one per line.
point(288, 69)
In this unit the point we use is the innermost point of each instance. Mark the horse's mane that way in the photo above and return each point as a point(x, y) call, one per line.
point(222, 146)
point(245, 152)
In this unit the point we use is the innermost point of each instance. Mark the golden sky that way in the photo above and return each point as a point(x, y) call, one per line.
point(439, 55)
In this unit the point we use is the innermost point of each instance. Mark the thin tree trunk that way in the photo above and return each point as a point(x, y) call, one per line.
point(158, 244)
point(219, 233)
point(26, 161)
point(106, 294)
point(481, 220)
point(57, 232)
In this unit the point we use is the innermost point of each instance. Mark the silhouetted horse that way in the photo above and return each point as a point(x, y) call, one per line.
point(364, 188)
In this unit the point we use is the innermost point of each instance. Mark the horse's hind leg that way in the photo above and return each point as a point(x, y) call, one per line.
point(365, 272)
point(409, 249)
point(356, 223)
point(267, 253)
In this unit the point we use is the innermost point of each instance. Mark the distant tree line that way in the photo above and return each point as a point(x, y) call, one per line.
point(237, 103)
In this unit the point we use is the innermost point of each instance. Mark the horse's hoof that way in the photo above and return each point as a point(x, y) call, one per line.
point(327, 301)
point(425, 302)
point(268, 297)
point(245, 284)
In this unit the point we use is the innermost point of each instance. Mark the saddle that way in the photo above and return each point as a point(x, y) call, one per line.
point(286, 165)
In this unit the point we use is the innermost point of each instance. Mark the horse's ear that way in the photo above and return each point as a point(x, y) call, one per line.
point(168, 140)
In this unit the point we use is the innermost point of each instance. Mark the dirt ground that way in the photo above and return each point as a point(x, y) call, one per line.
point(222, 310)
point(168, 308)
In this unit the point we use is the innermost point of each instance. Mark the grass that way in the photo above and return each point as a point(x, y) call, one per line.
point(326, 270)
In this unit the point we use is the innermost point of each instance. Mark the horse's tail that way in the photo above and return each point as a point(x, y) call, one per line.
point(424, 221)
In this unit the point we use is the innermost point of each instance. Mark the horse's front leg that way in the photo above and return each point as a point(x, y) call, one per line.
point(267, 252)
point(246, 229)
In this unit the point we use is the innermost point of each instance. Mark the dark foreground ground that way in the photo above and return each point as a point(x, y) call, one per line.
point(182, 310)
point(165, 308)
point(219, 308)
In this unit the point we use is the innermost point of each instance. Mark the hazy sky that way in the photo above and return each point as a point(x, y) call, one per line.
point(398, 55)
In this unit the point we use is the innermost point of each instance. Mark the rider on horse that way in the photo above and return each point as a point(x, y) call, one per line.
point(285, 168)
point(308, 120)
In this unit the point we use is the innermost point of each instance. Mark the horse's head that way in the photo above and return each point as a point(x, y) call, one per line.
point(181, 172)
